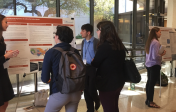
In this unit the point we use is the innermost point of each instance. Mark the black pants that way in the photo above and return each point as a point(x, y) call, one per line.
point(153, 74)
point(90, 92)
point(110, 100)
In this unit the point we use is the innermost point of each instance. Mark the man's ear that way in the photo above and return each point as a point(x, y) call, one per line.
point(89, 33)
point(57, 36)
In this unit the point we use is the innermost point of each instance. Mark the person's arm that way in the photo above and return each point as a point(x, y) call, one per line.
point(101, 55)
point(2, 60)
point(82, 48)
point(155, 50)
point(7, 59)
point(7, 56)
point(46, 68)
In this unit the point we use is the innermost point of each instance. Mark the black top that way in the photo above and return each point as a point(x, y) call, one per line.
point(110, 67)
point(6, 90)
point(51, 65)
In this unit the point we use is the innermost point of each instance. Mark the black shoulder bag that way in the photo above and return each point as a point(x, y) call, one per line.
point(131, 72)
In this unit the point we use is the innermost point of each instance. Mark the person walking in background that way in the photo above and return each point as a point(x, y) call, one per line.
point(57, 100)
point(109, 60)
point(153, 64)
point(6, 90)
point(88, 48)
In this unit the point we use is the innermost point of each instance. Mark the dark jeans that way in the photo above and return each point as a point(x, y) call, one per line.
point(153, 74)
point(90, 92)
point(110, 100)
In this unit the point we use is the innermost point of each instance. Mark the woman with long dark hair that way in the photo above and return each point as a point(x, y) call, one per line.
point(109, 60)
point(6, 90)
point(153, 64)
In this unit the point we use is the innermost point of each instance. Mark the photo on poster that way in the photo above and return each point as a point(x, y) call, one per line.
point(40, 65)
point(33, 67)
point(38, 52)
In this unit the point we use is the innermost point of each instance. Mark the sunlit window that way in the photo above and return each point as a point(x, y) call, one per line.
point(6, 7)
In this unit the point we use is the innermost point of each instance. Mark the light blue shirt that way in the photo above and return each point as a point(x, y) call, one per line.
point(88, 50)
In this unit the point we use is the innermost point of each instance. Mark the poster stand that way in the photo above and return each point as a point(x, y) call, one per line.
point(24, 75)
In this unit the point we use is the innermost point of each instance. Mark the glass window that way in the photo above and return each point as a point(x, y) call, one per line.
point(151, 12)
point(42, 8)
point(139, 59)
point(125, 22)
point(141, 18)
point(125, 6)
point(80, 11)
point(140, 34)
point(6, 7)
point(103, 10)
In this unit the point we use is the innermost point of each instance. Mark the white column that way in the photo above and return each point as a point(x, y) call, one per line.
point(171, 16)
point(171, 21)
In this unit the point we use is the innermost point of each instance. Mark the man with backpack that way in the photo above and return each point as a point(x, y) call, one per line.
point(67, 71)
point(88, 50)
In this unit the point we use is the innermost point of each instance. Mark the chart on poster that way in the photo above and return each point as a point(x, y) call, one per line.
point(33, 37)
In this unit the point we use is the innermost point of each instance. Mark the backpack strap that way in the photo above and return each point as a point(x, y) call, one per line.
point(72, 49)
point(59, 49)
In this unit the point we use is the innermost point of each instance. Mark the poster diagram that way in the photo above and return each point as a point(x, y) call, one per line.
point(38, 51)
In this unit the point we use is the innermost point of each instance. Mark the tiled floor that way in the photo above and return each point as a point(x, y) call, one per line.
point(130, 101)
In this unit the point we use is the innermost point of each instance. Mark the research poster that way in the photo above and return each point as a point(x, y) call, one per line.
point(165, 40)
point(33, 37)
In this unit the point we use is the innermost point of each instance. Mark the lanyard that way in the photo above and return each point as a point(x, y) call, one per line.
point(86, 49)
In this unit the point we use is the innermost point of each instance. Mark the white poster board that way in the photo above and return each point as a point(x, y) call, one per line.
point(165, 40)
point(32, 36)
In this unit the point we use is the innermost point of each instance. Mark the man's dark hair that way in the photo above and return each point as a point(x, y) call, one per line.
point(88, 28)
point(65, 34)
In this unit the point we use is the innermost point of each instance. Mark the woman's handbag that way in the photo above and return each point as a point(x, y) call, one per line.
point(131, 72)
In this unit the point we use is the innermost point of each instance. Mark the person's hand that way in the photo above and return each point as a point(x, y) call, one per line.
point(49, 81)
point(15, 53)
point(11, 54)
point(164, 52)
point(9, 50)
point(92, 59)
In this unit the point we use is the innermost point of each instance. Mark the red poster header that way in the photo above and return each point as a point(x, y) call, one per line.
point(34, 20)
point(33, 60)
point(18, 66)
point(40, 44)
point(15, 39)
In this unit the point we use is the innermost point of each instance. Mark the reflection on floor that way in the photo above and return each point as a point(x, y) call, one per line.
point(130, 101)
